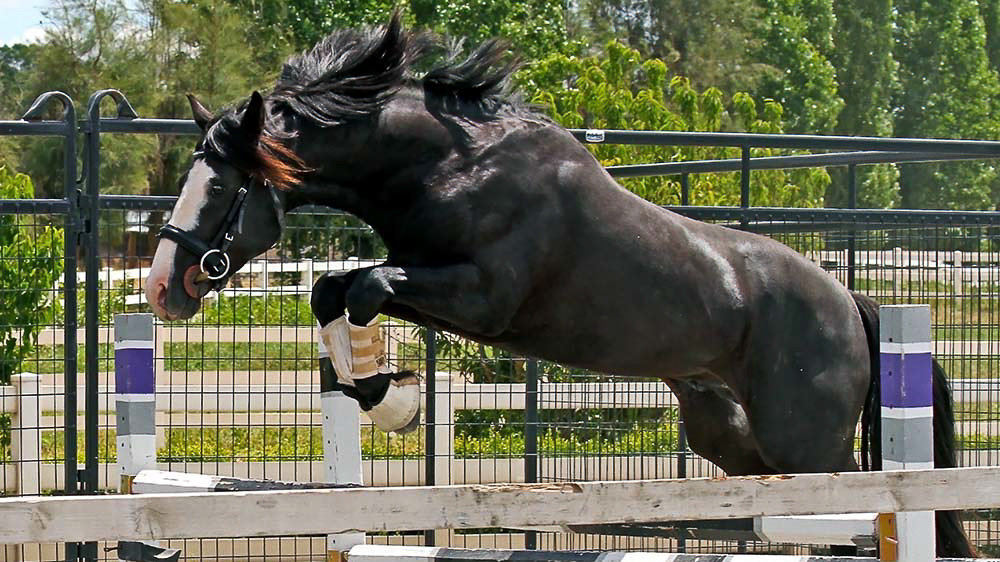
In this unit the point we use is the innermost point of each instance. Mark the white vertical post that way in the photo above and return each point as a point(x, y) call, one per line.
point(25, 438)
point(444, 442)
point(341, 446)
point(957, 272)
point(897, 267)
point(907, 415)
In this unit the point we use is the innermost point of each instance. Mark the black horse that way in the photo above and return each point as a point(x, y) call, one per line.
point(502, 228)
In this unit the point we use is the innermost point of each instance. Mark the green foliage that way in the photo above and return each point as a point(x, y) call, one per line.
point(708, 41)
point(297, 443)
point(283, 310)
point(795, 34)
point(4, 438)
point(946, 89)
point(30, 262)
point(866, 76)
point(534, 27)
point(621, 91)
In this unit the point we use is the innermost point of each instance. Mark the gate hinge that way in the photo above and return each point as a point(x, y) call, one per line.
point(83, 226)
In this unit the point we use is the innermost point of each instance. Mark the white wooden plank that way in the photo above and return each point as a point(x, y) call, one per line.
point(816, 529)
point(301, 512)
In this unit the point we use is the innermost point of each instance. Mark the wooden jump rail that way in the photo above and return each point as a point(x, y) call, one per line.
point(322, 512)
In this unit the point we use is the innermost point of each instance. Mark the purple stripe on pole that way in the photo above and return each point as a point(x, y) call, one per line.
point(134, 371)
point(906, 380)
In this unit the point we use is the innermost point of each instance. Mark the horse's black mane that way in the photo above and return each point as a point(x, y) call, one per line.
point(353, 74)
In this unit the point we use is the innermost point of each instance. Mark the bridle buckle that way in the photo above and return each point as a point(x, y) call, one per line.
point(225, 261)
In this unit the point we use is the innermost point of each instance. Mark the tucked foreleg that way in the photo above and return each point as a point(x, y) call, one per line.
point(392, 400)
point(461, 296)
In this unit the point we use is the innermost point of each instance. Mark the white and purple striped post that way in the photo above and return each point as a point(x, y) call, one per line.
point(907, 414)
point(135, 396)
point(135, 406)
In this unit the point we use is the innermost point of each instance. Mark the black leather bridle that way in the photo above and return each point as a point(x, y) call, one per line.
point(214, 260)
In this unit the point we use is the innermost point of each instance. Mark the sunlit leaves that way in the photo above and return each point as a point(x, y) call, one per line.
point(620, 90)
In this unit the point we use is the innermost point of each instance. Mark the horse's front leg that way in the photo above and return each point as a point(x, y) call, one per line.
point(461, 295)
point(357, 353)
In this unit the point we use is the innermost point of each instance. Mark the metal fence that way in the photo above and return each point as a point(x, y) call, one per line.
point(238, 384)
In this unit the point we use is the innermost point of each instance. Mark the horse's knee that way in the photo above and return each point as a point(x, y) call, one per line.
point(329, 295)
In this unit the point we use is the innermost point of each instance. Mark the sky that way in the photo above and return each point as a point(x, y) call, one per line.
point(20, 21)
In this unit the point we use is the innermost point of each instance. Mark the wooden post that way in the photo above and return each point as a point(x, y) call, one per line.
point(907, 416)
point(341, 446)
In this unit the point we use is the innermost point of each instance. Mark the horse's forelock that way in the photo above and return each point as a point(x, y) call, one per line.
point(266, 157)
point(279, 164)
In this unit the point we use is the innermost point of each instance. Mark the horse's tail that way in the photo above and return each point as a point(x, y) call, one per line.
point(951, 538)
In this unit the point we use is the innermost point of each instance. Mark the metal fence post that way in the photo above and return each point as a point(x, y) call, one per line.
point(90, 212)
point(852, 203)
point(531, 437)
point(430, 406)
point(72, 227)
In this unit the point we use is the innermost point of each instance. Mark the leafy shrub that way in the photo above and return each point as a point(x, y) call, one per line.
point(30, 262)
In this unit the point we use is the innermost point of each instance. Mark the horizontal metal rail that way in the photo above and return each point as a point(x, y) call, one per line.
point(146, 126)
point(34, 206)
point(811, 142)
point(852, 217)
point(33, 128)
point(166, 203)
point(784, 163)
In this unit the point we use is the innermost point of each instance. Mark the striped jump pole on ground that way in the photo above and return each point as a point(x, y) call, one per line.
point(907, 422)
point(383, 553)
point(341, 445)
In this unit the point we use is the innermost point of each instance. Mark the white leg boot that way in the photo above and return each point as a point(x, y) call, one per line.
point(358, 356)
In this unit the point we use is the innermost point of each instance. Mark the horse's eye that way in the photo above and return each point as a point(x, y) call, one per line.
point(217, 189)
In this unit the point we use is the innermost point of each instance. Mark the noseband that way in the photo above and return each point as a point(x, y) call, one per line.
point(214, 260)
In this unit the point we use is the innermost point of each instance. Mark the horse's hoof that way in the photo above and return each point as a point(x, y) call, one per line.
point(399, 409)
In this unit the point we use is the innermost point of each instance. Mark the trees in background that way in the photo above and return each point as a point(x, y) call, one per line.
point(866, 79)
point(619, 89)
point(858, 67)
point(946, 89)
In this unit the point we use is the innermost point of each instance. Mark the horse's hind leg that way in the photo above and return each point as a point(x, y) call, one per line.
point(804, 411)
point(717, 427)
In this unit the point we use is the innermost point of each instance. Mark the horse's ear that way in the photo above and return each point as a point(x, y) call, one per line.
point(253, 118)
point(202, 116)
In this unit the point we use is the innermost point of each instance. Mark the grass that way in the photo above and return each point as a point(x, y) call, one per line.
point(274, 444)
point(205, 356)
